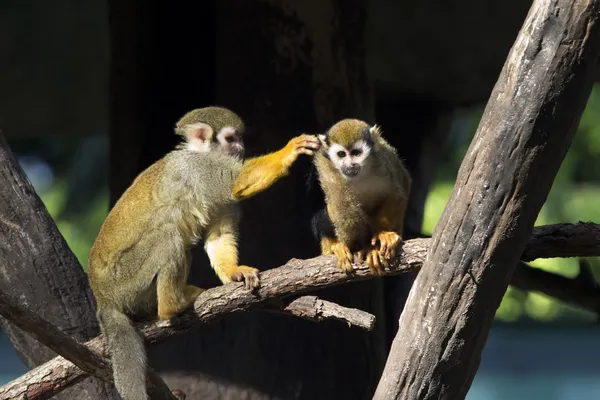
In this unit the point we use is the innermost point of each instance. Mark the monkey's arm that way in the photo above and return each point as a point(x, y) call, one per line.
point(259, 173)
point(221, 247)
point(389, 226)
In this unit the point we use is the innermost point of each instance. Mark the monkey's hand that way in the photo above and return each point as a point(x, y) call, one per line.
point(343, 255)
point(303, 144)
point(388, 242)
point(247, 274)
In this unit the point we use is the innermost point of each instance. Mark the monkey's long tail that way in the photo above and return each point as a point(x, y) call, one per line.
point(127, 353)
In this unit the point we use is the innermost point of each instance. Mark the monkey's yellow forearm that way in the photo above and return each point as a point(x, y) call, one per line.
point(260, 173)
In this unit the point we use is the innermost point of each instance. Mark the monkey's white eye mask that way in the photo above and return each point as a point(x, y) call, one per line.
point(349, 160)
point(231, 142)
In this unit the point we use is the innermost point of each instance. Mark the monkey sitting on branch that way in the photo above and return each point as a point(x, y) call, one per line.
point(140, 260)
point(366, 190)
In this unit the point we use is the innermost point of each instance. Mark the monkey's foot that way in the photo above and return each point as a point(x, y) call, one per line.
point(343, 255)
point(247, 274)
point(375, 261)
point(171, 304)
point(388, 242)
point(191, 292)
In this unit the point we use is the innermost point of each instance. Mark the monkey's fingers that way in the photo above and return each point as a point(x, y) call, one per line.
point(343, 256)
point(247, 274)
point(306, 144)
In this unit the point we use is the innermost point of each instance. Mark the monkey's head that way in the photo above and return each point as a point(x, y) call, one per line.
point(212, 129)
point(349, 144)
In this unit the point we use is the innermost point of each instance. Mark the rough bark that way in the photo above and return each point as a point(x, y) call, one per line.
point(503, 181)
point(295, 277)
point(38, 268)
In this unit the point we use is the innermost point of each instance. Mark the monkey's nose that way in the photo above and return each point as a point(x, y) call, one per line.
point(351, 171)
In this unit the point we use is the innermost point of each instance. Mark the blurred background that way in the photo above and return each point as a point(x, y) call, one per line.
point(54, 113)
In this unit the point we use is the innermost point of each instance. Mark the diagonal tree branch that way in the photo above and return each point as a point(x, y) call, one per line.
point(289, 280)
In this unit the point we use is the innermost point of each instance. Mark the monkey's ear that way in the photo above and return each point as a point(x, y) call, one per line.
point(198, 136)
point(323, 140)
point(375, 131)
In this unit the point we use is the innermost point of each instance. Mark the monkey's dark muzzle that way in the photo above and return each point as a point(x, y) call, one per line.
point(351, 171)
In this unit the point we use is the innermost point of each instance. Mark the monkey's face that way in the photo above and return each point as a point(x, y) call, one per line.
point(212, 129)
point(349, 160)
point(202, 138)
point(230, 142)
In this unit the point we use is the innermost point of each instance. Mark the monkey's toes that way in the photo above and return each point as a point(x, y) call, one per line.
point(344, 256)
point(389, 241)
point(375, 263)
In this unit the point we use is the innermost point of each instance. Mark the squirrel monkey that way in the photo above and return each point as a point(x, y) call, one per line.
point(140, 260)
point(366, 190)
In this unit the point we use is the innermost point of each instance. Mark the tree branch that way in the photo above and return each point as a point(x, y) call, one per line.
point(314, 309)
point(565, 240)
point(294, 278)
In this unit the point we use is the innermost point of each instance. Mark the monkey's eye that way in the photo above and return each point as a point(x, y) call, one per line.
point(356, 152)
point(230, 138)
point(341, 154)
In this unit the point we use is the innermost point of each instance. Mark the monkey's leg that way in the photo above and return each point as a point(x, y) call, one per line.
point(173, 292)
point(261, 172)
point(221, 248)
point(390, 224)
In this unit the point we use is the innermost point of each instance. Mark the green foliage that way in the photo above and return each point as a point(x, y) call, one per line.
point(574, 197)
point(80, 232)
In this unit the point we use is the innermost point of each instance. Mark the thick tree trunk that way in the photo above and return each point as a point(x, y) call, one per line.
point(38, 268)
point(504, 179)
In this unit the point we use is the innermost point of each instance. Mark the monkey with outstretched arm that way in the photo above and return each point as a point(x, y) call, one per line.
point(366, 189)
point(140, 260)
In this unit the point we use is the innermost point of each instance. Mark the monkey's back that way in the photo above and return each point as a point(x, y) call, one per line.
point(186, 189)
